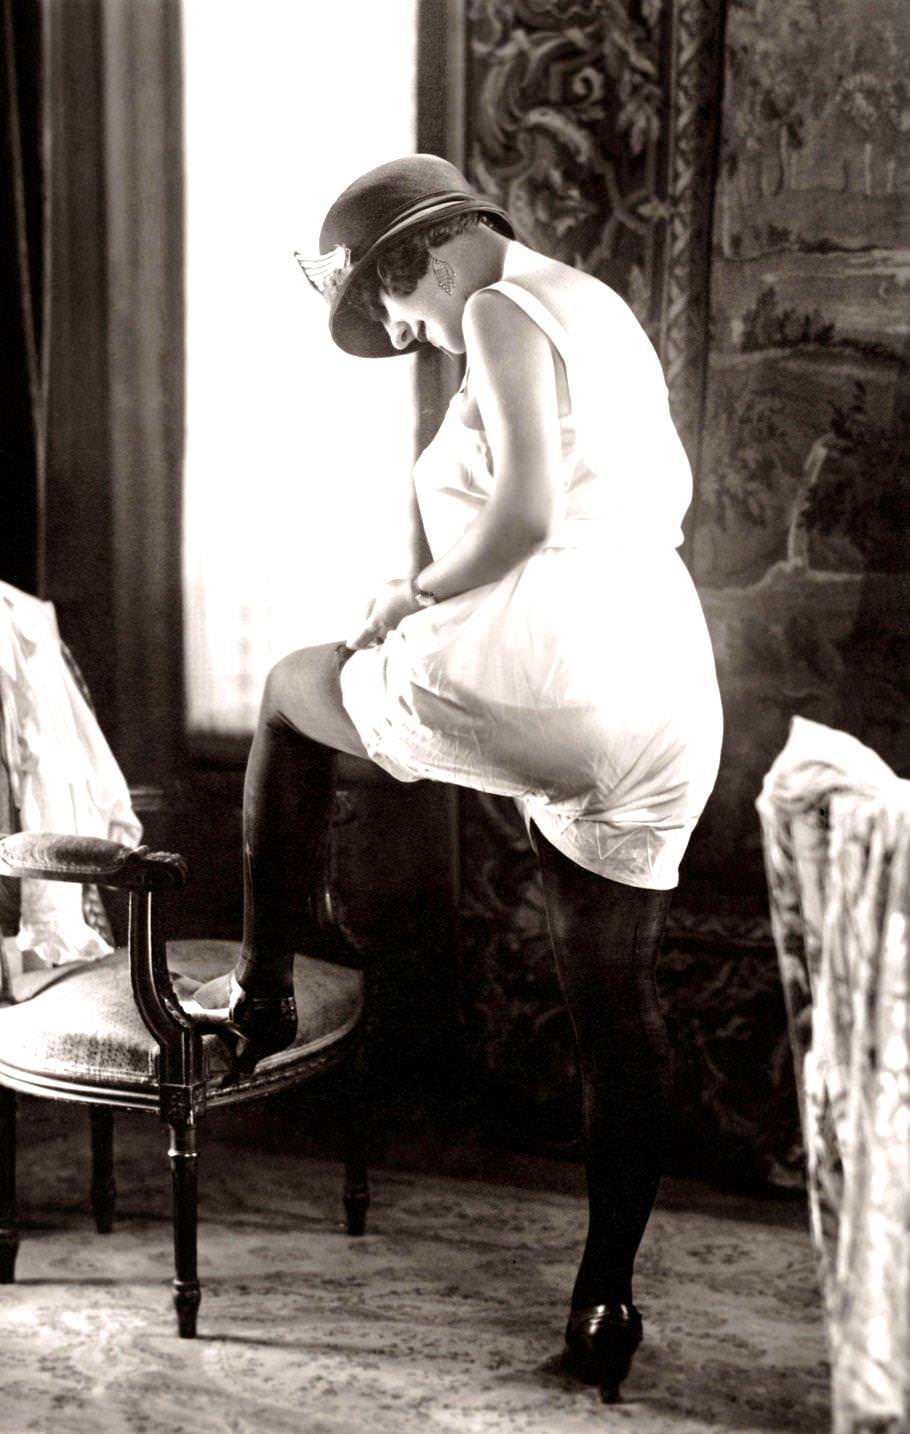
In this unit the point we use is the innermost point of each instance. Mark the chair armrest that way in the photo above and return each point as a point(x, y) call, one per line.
point(144, 873)
point(73, 858)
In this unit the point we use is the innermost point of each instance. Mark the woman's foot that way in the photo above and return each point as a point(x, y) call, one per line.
point(258, 1025)
point(600, 1343)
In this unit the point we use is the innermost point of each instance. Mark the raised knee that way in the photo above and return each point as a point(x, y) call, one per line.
point(286, 678)
point(296, 684)
point(275, 684)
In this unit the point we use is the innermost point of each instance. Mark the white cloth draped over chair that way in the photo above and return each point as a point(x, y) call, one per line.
point(836, 828)
point(63, 775)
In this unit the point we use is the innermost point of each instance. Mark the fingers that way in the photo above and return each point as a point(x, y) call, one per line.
point(370, 635)
point(367, 635)
point(389, 605)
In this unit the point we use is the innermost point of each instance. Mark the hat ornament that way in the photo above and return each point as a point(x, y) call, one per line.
point(327, 271)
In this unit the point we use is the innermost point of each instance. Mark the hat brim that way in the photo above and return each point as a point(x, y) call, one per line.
point(351, 328)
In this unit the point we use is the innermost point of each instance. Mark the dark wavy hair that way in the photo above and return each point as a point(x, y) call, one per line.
point(400, 268)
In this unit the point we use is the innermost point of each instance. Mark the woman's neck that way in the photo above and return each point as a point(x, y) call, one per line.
point(478, 257)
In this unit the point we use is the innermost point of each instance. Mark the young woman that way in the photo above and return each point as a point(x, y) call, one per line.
point(553, 650)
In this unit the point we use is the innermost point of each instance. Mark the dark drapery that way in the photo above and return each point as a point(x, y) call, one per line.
point(91, 348)
point(23, 238)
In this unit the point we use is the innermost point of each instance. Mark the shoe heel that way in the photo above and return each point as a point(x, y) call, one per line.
point(601, 1341)
point(251, 1027)
point(264, 1025)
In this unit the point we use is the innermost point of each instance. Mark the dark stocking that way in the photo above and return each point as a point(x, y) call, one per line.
point(605, 938)
point(287, 804)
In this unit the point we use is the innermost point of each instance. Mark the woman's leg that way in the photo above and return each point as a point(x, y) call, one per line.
point(606, 937)
point(287, 803)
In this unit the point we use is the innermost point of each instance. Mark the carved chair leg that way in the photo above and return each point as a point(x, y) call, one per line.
point(104, 1189)
point(9, 1227)
point(184, 1178)
point(356, 1121)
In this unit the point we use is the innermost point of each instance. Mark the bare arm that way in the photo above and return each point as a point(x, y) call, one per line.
point(514, 383)
point(418, 546)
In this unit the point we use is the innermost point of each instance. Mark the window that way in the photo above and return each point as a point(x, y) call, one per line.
point(298, 457)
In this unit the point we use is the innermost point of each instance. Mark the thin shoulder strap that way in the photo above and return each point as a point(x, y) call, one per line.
point(539, 314)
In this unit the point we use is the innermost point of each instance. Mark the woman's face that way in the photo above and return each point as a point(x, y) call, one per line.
point(429, 315)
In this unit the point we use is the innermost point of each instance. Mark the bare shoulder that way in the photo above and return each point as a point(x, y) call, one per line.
point(490, 314)
point(574, 297)
point(499, 333)
point(538, 271)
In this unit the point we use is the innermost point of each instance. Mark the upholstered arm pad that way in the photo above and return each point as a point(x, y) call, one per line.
point(74, 858)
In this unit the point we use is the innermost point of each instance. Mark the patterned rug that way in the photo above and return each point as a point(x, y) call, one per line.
point(446, 1316)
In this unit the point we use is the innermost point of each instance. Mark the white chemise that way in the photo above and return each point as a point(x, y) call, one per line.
point(581, 683)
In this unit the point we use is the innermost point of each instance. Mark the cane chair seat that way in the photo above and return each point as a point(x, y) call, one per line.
point(84, 1029)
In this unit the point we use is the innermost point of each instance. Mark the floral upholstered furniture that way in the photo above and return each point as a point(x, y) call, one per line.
point(836, 828)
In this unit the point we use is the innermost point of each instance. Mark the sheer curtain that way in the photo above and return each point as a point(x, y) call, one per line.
point(298, 456)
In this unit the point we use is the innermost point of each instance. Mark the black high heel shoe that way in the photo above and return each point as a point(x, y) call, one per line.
point(254, 1026)
point(600, 1343)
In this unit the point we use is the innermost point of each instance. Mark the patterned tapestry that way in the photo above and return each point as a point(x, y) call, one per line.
point(758, 153)
point(801, 543)
point(592, 121)
point(595, 123)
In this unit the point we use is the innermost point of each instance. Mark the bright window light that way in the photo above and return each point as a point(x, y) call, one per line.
point(298, 456)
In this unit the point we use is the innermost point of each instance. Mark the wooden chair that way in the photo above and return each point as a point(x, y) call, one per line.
point(111, 1033)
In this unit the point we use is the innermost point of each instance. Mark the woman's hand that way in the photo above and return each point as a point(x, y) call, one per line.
point(394, 601)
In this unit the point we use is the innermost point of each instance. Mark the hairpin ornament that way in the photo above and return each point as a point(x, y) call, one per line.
point(326, 272)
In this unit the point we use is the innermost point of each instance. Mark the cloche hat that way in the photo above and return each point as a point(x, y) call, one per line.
point(375, 210)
